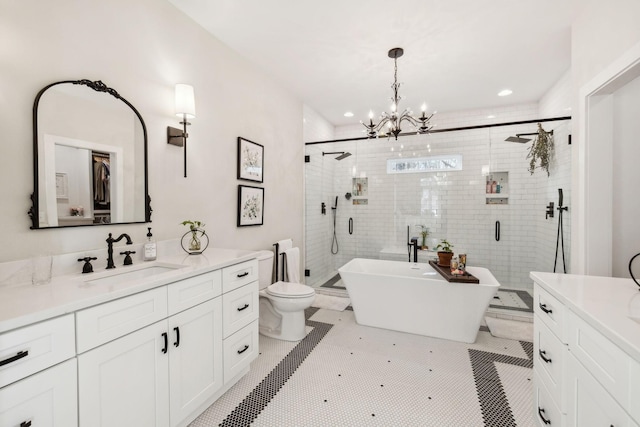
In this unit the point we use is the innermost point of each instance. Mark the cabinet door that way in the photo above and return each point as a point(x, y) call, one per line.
point(589, 404)
point(45, 399)
point(125, 382)
point(195, 362)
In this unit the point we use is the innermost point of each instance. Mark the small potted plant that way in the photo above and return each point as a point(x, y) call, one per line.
point(444, 253)
point(424, 232)
point(195, 228)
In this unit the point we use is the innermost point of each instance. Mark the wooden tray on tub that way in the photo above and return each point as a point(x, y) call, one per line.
point(445, 272)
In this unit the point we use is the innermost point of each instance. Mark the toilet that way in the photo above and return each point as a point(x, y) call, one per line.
point(282, 304)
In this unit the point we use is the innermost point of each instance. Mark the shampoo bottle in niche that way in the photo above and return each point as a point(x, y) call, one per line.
point(150, 250)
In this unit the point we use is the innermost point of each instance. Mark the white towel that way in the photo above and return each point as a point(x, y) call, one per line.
point(283, 245)
point(292, 257)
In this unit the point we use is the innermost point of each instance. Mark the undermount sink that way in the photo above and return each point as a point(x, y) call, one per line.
point(137, 274)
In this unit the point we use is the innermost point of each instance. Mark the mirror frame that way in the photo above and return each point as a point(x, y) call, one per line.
point(98, 86)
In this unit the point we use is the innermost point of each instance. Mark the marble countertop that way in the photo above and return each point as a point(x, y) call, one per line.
point(605, 303)
point(27, 304)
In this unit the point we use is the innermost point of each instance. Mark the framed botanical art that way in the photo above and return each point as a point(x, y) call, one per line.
point(250, 160)
point(250, 205)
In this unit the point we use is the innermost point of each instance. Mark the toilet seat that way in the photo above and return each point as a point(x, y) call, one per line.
point(289, 290)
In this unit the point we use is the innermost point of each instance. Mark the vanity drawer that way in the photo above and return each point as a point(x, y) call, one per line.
point(546, 412)
point(240, 349)
point(239, 308)
point(36, 347)
point(605, 361)
point(550, 311)
point(193, 291)
point(549, 359)
point(106, 322)
point(239, 275)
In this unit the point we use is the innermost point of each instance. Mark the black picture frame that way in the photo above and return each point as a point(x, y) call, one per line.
point(250, 206)
point(250, 160)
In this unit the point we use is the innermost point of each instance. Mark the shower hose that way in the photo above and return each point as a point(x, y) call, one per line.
point(560, 241)
point(334, 242)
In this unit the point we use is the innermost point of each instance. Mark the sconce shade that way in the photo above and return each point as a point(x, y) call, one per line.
point(185, 101)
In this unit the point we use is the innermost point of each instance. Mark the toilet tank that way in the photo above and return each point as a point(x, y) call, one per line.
point(265, 268)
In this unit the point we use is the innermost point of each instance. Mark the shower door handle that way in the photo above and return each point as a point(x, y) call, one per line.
point(497, 231)
point(350, 225)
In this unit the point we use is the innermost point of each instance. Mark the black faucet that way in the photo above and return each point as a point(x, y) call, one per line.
point(414, 243)
point(110, 242)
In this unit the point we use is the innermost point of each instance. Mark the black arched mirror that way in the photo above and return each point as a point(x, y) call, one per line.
point(89, 157)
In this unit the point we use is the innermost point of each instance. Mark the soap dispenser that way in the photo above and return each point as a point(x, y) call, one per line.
point(150, 250)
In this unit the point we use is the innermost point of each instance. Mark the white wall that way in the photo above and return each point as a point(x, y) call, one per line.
point(142, 48)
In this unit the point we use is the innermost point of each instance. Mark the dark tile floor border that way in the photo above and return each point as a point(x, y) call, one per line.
point(331, 283)
point(524, 296)
point(248, 410)
point(493, 401)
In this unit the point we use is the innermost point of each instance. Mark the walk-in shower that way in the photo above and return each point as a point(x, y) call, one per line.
point(438, 180)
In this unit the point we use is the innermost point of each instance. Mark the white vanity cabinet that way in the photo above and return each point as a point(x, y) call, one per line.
point(38, 375)
point(582, 378)
point(240, 304)
point(152, 353)
point(160, 374)
point(549, 359)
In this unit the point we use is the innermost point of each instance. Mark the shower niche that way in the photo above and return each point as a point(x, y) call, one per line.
point(497, 188)
point(360, 190)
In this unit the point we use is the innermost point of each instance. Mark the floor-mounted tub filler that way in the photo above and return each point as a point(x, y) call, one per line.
point(414, 298)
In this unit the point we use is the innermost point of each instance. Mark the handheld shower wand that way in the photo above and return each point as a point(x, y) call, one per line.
point(334, 242)
point(560, 235)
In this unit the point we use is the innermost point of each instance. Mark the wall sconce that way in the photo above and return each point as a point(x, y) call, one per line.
point(185, 108)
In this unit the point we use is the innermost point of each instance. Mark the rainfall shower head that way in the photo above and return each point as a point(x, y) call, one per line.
point(518, 139)
point(342, 154)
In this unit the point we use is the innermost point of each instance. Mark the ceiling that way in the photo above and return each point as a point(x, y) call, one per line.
point(458, 54)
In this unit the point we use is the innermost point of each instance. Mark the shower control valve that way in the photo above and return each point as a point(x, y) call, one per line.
point(549, 213)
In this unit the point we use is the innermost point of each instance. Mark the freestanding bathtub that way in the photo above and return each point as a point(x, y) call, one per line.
point(414, 298)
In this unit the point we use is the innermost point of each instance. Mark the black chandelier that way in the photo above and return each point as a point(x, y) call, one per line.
point(394, 120)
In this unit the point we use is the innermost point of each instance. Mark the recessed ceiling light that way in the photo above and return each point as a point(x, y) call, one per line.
point(491, 116)
point(348, 114)
point(505, 92)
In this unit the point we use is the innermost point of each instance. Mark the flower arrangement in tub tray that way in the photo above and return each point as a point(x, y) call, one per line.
point(444, 253)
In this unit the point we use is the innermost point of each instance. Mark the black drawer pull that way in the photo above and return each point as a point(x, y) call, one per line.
point(177, 331)
point(18, 356)
point(25, 424)
point(244, 307)
point(246, 347)
point(166, 342)
point(246, 273)
point(544, 308)
point(540, 413)
point(542, 354)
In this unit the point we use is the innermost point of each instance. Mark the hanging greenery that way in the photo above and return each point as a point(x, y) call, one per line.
point(541, 150)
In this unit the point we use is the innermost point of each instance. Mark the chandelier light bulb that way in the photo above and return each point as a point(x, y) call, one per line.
point(370, 114)
point(424, 107)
